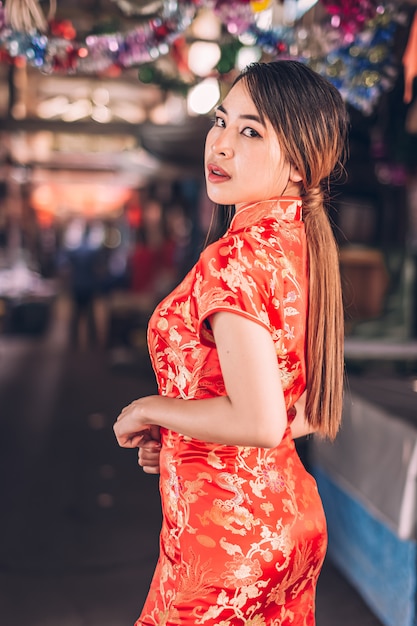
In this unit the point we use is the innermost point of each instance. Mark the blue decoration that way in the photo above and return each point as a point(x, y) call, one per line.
point(38, 50)
point(364, 69)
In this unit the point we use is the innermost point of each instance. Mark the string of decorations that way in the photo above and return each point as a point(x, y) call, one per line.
point(353, 47)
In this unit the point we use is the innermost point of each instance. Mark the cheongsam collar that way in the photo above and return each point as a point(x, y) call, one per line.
point(286, 208)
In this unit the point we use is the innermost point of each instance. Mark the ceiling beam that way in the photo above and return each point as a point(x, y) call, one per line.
point(89, 127)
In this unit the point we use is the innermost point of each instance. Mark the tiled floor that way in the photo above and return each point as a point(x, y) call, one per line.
point(79, 521)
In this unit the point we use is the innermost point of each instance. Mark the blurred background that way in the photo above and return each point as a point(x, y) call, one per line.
point(104, 108)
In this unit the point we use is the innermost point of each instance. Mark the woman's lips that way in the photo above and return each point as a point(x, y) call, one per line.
point(216, 174)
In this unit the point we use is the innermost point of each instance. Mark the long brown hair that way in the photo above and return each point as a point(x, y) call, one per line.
point(310, 119)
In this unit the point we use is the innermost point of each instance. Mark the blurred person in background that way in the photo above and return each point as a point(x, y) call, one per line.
point(84, 269)
point(152, 261)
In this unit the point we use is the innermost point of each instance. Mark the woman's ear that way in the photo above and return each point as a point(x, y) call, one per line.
point(295, 176)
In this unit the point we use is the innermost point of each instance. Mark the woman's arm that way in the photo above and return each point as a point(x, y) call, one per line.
point(149, 451)
point(252, 413)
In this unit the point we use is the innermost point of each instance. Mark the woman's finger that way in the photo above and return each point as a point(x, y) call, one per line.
point(148, 457)
point(150, 469)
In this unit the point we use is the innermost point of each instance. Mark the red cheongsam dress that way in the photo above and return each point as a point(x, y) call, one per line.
point(243, 536)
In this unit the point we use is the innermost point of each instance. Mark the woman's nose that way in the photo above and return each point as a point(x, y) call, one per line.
point(222, 146)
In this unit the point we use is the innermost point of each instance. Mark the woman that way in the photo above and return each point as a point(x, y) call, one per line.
point(254, 324)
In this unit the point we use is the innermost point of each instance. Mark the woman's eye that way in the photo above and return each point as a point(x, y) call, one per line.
point(219, 121)
point(250, 132)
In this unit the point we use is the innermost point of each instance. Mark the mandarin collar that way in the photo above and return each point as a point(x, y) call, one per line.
point(285, 208)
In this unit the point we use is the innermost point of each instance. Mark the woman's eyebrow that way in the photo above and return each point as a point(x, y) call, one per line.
point(246, 116)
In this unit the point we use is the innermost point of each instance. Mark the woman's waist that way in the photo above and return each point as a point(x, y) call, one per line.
point(188, 450)
point(190, 469)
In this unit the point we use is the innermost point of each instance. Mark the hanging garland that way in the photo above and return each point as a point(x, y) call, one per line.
point(353, 48)
point(365, 68)
point(356, 56)
point(352, 15)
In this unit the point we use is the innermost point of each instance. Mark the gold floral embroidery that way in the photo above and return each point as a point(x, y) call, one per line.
point(195, 579)
point(241, 572)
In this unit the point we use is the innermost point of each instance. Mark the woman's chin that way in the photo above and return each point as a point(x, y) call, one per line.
point(216, 196)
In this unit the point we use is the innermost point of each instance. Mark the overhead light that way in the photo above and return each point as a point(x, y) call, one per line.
point(203, 56)
point(101, 96)
point(206, 25)
point(77, 110)
point(169, 112)
point(101, 114)
point(247, 55)
point(129, 112)
point(52, 107)
point(264, 19)
point(203, 97)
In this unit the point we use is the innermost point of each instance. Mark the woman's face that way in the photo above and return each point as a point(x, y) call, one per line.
point(243, 158)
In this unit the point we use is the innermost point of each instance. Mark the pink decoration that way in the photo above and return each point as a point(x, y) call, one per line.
point(351, 15)
point(237, 15)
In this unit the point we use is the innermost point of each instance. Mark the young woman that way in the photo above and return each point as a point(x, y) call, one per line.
point(254, 324)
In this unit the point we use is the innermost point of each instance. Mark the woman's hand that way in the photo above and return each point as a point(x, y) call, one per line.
point(148, 455)
point(133, 431)
point(132, 427)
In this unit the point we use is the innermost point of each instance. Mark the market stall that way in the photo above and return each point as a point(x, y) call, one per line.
point(26, 300)
point(368, 482)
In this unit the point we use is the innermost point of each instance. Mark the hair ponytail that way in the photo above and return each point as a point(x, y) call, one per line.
point(325, 322)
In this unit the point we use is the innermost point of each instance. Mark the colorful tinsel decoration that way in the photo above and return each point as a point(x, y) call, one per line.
point(353, 48)
point(364, 68)
point(351, 16)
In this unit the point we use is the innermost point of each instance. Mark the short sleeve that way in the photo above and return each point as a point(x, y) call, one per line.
point(235, 274)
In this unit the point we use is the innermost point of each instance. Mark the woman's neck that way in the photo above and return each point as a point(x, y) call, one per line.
point(244, 205)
